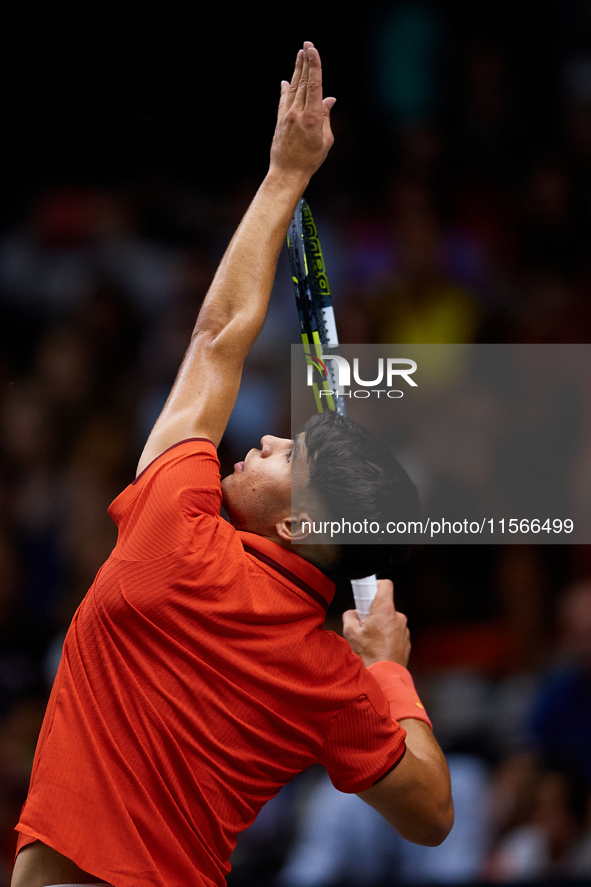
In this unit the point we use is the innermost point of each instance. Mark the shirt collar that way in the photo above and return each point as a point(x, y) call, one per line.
point(300, 572)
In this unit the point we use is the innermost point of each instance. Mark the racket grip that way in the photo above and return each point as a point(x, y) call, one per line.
point(364, 591)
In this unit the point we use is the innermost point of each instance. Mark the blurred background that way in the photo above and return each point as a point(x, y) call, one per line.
point(455, 207)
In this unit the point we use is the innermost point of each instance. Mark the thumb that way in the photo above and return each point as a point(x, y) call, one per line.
point(327, 104)
point(385, 592)
point(350, 622)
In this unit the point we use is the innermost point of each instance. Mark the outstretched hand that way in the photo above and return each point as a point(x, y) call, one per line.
point(384, 634)
point(303, 136)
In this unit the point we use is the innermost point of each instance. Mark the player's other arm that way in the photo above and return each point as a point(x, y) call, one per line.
point(415, 797)
point(234, 309)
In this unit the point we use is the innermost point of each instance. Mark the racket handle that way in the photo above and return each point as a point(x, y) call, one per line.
point(364, 591)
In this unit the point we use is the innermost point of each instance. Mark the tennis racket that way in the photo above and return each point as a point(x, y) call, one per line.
point(319, 336)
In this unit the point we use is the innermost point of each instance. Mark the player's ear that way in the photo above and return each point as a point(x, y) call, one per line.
point(294, 528)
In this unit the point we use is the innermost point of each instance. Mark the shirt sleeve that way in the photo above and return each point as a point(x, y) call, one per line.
point(159, 511)
point(363, 744)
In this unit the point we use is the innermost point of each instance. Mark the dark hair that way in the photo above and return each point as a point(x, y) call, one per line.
point(357, 478)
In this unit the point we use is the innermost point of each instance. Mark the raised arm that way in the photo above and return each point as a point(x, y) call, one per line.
point(235, 307)
point(415, 797)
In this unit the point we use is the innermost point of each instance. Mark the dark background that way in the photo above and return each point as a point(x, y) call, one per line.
point(95, 96)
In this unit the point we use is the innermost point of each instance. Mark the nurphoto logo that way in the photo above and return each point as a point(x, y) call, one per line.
point(338, 374)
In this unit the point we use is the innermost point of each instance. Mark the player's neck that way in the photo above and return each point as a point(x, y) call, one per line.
point(323, 557)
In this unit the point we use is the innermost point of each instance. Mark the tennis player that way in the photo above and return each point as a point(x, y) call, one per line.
point(197, 678)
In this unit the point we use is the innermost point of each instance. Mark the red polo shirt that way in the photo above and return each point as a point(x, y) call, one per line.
point(196, 680)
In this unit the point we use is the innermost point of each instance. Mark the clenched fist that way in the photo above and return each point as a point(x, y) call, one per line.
point(384, 634)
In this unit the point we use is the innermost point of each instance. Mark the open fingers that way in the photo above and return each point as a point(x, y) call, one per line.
point(302, 85)
point(289, 90)
point(314, 84)
point(309, 90)
point(305, 88)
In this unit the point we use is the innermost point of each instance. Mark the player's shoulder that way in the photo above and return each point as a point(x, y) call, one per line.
point(184, 478)
point(185, 453)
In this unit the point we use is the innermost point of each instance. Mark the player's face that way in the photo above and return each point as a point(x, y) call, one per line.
point(258, 493)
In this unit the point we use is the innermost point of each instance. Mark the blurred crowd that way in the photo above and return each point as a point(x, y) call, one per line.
point(456, 209)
